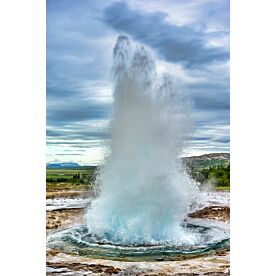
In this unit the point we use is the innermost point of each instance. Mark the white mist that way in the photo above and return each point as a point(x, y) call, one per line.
point(145, 191)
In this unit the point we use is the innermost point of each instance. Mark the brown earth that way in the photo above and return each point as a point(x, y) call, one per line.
point(65, 264)
point(59, 263)
point(62, 218)
point(221, 213)
point(62, 192)
point(94, 268)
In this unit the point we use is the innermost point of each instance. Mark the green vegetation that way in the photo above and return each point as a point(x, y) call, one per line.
point(218, 175)
point(75, 176)
point(225, 189)
point(209, 169)
point(205, 161)
point(206, 169)
point(204, 164)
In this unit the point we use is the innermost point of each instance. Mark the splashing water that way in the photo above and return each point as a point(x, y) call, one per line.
point(145, 192)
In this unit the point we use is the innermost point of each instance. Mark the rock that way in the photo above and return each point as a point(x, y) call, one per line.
point(221, 213)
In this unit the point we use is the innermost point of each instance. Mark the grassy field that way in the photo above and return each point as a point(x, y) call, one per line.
point(203, 171)
point(70, 178)
point(55, 174)
point(224, 189)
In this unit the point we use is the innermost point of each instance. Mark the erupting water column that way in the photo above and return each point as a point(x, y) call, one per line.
point(145, 192)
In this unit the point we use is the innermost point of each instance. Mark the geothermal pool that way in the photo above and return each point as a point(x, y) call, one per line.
point(207, 237)
point(76, 240)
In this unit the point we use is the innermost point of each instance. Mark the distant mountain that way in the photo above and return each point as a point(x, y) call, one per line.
point(207, 160)
point(62, 165)
point(196, 162)
point(210, 156)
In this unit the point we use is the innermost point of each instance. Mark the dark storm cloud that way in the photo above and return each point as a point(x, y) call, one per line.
point(175, 44)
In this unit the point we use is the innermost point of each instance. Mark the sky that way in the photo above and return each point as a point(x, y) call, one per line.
point(189, 38)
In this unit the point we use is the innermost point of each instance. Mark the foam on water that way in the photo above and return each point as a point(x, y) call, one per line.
point(144, 191)
point(79, 240)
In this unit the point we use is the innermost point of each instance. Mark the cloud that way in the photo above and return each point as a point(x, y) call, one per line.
point(76, 112)
point(76, 135)
point(174, 43)
point(192, 36)
point(208, 97)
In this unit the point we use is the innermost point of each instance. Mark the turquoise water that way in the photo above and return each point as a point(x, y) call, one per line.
point(80, 241)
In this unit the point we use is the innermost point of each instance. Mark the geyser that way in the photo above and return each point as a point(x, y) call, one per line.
point(145, 192)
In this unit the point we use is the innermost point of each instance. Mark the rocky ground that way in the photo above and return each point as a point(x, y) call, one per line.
point(59, 263)
point(62, 192)
point(64, 264)
point(58, 219)
point(221, 213)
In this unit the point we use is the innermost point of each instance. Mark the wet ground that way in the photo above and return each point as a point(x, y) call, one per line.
point(67, 208)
